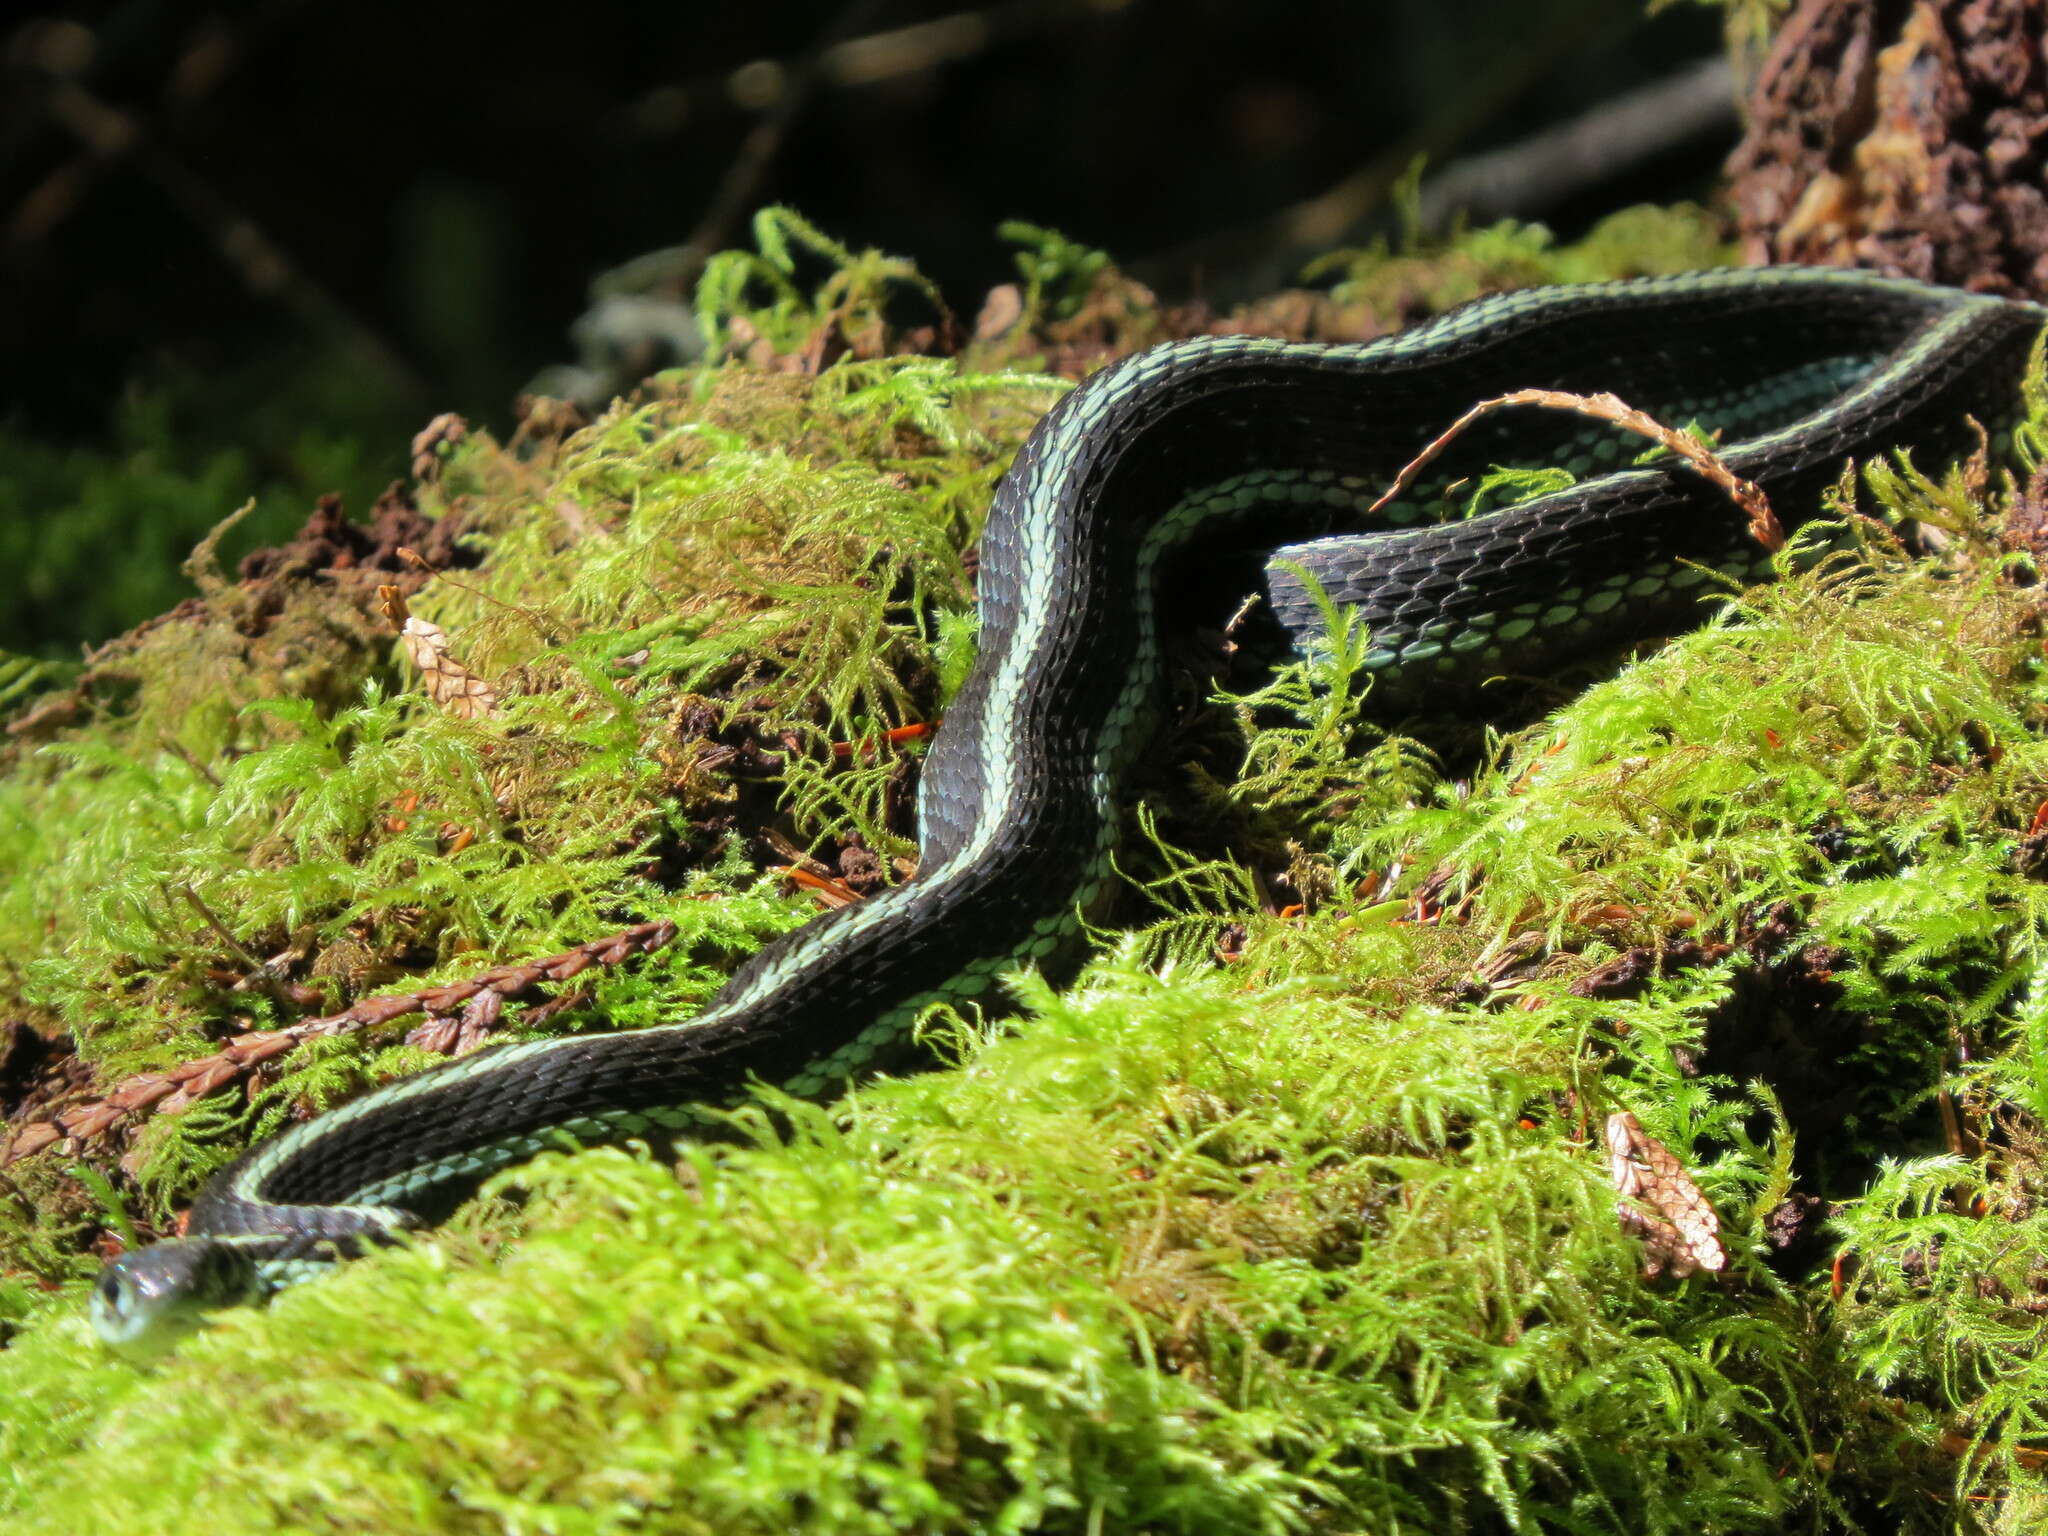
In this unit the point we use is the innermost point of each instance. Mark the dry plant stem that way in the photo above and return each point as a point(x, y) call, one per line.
point(184, 754)
point(747, 168)
point(1337, 213)
point(234, 945)
point(481, 998)
point(418, 561)
point(1763, 523)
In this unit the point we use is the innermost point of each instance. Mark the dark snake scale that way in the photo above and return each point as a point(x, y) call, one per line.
point(1177, 469)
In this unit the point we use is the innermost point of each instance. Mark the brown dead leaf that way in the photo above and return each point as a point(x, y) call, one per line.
point(447, 681)
point(1683, 1236)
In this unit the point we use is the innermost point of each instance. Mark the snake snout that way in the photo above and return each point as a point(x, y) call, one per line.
point(148, 1298)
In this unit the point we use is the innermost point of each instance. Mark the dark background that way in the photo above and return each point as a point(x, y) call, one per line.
point(248, 249)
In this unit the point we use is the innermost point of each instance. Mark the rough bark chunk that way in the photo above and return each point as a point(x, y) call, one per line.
point(1903, 137)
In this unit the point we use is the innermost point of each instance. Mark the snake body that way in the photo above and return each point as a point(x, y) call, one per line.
point(1198, 456)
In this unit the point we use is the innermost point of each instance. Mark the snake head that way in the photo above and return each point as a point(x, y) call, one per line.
point(145, 1300)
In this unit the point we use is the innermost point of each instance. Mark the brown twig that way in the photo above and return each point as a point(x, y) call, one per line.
point(1763, 523)
point(262, 974)
point(749, 164)
point(1525, 178)
point(184, 753)
point(481, 1000)
point(419, 562)
point(1260, 252)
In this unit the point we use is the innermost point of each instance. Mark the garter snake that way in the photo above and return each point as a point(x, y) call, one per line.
point(1179, 458)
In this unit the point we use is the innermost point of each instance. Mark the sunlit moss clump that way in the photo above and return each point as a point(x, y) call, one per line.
point(774, 552)
point(1410, 274)
point(1169, 1259)
point(1290, 1216)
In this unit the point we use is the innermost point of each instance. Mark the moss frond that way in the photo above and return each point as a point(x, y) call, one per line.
point(771, 287)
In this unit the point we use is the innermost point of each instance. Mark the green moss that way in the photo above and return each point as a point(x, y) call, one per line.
point(1411, 275)
point(735, 557)
point(1316, 1240)
point(1141, 1266)
point(91, 538)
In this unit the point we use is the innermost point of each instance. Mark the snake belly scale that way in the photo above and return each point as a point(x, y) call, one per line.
point(1236, 447)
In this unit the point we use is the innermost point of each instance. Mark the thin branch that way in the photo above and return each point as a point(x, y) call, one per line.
point(267, 270)
point(740, 187)
point(1546, 168)
point(1763, 523)
point(1261, 254)
point(480, 999)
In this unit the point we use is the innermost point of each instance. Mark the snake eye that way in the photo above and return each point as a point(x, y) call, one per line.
point(146, 1299)
point(113, 1305)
